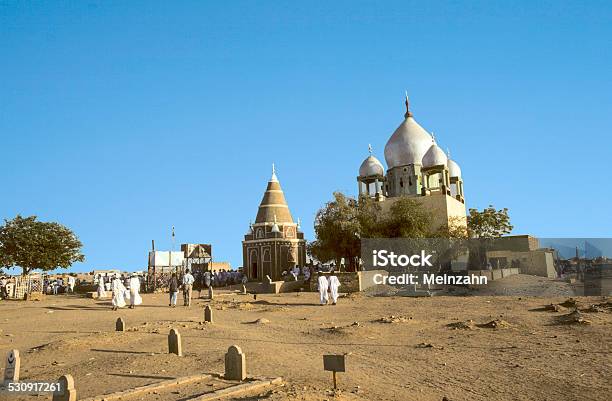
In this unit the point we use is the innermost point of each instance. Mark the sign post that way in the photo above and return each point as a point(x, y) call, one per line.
point(334, 363)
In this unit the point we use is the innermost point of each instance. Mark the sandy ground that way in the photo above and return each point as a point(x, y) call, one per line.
point(399, 348)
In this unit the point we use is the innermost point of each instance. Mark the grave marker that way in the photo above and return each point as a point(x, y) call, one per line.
point(235, 364)
point(208, 314)
point(211, 293)
point(244, 290)
point(120, 325)
point(334, 363)
point(174, 343)
point(66, 392)
point(13, 363)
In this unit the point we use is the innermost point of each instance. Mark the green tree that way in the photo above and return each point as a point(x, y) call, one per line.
point(406, 218)
point(341, 223)
point(486, 226)
point(31, 244)
point(337, 230)
point(489, 223)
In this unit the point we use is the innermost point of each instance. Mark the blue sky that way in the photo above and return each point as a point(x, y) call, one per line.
point(120, 119)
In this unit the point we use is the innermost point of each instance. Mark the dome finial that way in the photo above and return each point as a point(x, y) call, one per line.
point(370, 149)
point(433, 137)
point(407, 102)
point(273, 178)
point(448, 153)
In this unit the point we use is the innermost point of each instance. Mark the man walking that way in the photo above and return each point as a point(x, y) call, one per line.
point(334, 284)
point(323, 285)
point(187, 287)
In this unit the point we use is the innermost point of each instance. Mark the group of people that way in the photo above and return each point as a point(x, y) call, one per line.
point(328, 288)
point(121, 295)
point(295, 272)
point(221, 278)
point(58, 285)
point(187, 286)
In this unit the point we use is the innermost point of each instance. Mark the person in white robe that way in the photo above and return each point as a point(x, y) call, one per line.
point(334, 284)
point(118, 293)
point(101, 290)
point(323, 285)
point(306, 273)
point(135, 298)
point(295, 272)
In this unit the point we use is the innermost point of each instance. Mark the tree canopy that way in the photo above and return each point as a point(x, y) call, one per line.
point(31, 244)
point(342, 222)
point(489, 223)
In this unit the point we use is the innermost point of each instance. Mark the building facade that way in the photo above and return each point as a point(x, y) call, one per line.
point(274, 243)
point(417, 168)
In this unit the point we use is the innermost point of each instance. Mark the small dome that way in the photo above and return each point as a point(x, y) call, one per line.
point(371, 166)
point(453, 168)
point(434, 156)
point(408, 143)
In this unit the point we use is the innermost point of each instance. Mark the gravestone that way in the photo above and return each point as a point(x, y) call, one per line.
point(174, 343)
point(235, 364)
point(334, 363)
point(244, 291)
point(211, 293)
point(13, 363)
point(208, 314)
point(120, 325)
point(66, 392)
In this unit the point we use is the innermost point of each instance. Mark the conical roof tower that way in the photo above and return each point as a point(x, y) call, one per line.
point(273, 206)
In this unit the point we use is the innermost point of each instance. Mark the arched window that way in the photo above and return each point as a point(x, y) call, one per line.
point(266, 255)
point(259, 233)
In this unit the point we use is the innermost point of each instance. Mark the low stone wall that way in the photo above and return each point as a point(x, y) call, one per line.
point(495, 274)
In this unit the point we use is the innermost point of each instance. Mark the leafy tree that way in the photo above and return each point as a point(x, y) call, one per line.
point(485, 226)
point(337, 230)
point(341, 223)
point(406, 218)
point(490, 223)
point(31, 244)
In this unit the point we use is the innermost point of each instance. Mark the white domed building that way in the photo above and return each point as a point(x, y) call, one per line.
point(418, 168)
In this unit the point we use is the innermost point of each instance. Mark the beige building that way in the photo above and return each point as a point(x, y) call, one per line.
point(523, 252)
point(417, 168)
point(274, 243)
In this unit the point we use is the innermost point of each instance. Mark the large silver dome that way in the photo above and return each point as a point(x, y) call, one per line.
point(408, 143)
point(434, 156)
point(371, 166)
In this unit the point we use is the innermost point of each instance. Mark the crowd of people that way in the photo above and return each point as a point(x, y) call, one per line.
point(59, 285)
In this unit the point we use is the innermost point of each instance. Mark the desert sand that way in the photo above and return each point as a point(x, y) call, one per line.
point(511, 347)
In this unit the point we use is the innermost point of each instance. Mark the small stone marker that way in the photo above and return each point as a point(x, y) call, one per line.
point(13, 363)
point(208, 314)
point(334, 363)
point(244, 291)
point(235, 364)
point(211, 293)
point(174, 343)
point(67, 392)
point(120, 325)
